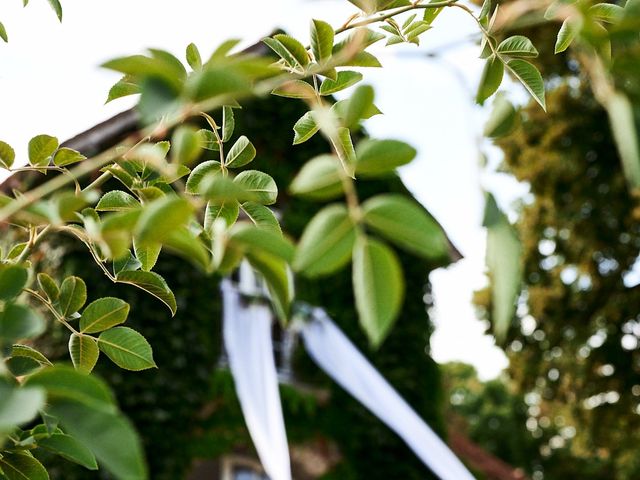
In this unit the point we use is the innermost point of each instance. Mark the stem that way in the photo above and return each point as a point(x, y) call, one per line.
point(53, 311)
point(34, 240)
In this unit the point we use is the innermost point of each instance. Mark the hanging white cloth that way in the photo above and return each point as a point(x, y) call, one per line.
point(342, 361)
point(249, 347)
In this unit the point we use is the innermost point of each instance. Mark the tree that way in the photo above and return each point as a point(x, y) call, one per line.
point(166, 205)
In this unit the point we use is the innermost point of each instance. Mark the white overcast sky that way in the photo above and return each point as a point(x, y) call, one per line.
point(50, 82)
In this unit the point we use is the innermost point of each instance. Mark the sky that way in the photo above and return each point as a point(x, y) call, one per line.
point(51, 82)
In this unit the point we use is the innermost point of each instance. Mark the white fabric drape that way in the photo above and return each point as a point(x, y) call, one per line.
point(341, 360)
point(248, 343)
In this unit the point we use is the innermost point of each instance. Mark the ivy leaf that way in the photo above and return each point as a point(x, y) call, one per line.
point(68, 447)
point(518, 46)
point(491, 78)
point(304, 128)
point(193, 57)
point(117, 201)
point(73, 295)
point(406, 224)
point(568, 32)
point(322, 36)
point(344, 79)
point(67, 156)
point(13, 278)
point(503, 262)
point(22, 466)
point(326, 243)
point(241, 153)
point(41, 147)
point(318, 179)
point(55, 4)
point(379, 157)
point(259, 185)
point(84, 352)
point(162, 216)
point(7, 154)
point(530, 77)
point(261, 216)
point(102, 314)
point(378, 286)
point(126, 348)
point(152, 283)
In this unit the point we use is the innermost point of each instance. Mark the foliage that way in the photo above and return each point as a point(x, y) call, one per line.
point(167, 203)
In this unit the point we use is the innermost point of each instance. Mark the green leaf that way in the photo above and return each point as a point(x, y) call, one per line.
point(502, 119)
point(186, 145)
point(503, 262)
point(126, 348)
point(295, 48)
point(187, 244)
point(127, 262)
point(19, 405)
point(275, 272)
point(69, 448)
point(568, 31)
point(360, 59)
point(318, 179)
point(117, 201)
point(228, 123)
point(625, 133)
point(73, 295)
point(193, 57)
point(152, 283)
point(102, 314)
point(7, 155)
point(345, 79)
point(227, 210)
point(378, 286)
point(491, 78)
point(123, 88)
point(379, 157)
point(20, 366)
point(67, 156)
point(160, 217)
point(346, 152)
point(84, 352)
point(55, 4)
point(41, 147)
point(49, 286)
point(194, 182)
point(29, 352)
point(18, 322)
point(261, 216)
point(321, 40)
point(258, 184)
point(295, 89)
point(241, 153)
point(358, 105)
point(304, 128)
point(530, 77)
point(219, 189)
point(22, 466)
point(518, 46)
point(208, 140)
point(263, 240)
point(147, 254)
point(405, 223)
point(607, 12)
point(282, 52)
point(13, 278)
point(326, 243)
point(3, 33)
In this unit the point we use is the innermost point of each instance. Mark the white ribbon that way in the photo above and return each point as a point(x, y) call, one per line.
point(247, 339)
point(342, 361)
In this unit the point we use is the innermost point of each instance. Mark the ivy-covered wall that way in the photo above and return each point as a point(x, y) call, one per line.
point(187, 409)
